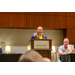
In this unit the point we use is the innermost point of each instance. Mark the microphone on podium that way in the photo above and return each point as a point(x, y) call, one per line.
point(41, 33)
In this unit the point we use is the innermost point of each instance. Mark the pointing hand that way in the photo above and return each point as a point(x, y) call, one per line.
point(36, 35)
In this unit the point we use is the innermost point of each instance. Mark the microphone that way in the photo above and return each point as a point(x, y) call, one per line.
point(41, 33)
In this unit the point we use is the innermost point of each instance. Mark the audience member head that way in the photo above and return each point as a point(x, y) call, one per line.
point(47, 59)
point(31, 56)
point(66, 42)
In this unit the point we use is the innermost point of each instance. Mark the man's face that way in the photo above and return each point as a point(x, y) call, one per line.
point(66, 42)
point(40, 30)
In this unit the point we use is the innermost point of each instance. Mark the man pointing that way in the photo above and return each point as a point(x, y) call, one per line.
point(39, 34)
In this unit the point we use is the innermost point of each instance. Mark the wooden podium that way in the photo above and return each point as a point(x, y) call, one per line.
point(43, 46)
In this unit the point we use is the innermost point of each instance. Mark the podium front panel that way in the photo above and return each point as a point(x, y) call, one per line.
point(41, 44)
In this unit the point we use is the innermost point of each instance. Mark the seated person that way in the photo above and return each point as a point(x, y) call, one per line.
point(1, 51)
point(31, 56)
point(39, 34)
point(63, 49)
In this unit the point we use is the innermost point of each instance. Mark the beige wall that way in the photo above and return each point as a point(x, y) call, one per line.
point(20, 37)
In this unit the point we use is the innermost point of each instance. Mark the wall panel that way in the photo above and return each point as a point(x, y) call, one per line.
point(22, 13)
point(71, 34)
point(50, 20)
point(72, 14)
point(0, 20)
point(71, 27)
point(54, 22)
point(33, 21)
point(48, 13)
point(70, 22)
point(7, 20)
point(11, 20)
point(19, 20)
point(57, 13)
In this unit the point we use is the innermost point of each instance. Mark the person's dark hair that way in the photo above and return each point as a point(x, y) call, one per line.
point(31, 56)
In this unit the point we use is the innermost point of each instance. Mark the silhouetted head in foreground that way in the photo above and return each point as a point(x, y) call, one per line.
point(31, 56)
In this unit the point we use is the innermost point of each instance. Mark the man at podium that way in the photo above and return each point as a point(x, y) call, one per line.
point(39, 34)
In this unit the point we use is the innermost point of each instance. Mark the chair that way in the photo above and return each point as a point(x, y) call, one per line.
point(1, 51)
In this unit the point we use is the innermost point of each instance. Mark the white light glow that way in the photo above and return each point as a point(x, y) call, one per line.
point(53, 48)
point(8, 49)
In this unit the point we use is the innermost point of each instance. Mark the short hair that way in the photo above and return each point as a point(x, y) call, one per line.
point(66, 39)
point(39, 27)
point(31, 56)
